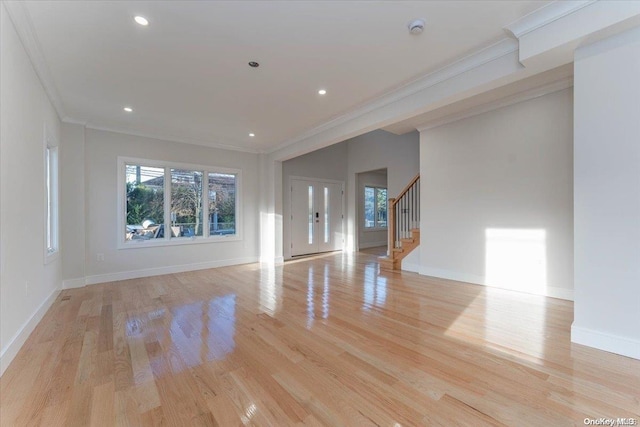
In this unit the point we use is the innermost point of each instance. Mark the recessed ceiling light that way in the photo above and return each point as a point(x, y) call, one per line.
point(322, 92)
point(252, 135)
point(254, 64)
point(141, 20)
point(128, 109)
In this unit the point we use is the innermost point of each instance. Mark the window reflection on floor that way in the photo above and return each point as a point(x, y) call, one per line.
point(208, 327)
point(270, 291)
point(375, 288)
point(325, 293)
point(310, 306)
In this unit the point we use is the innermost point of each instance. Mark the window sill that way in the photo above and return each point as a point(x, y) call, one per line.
point(371, 229)
point(50, 257)
point(176, 241)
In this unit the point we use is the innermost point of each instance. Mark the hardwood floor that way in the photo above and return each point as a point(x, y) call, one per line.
point(320, 341)
point(377, 250)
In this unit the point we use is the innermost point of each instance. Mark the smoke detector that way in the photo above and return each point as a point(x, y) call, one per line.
point(416, 26)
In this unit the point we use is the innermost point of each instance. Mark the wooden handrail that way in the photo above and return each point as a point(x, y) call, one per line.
point(404, 191)
point(403, 215)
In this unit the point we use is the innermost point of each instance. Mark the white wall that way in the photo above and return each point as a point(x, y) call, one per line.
point(607, 195)
point(271, 224)
point(369, 238)
point(398, 154)
point(497, 197)
point(27, 285)
point(72, 197)
point(327, 163)
point(101, 151)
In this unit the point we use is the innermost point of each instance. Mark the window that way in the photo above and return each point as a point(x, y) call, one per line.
point(375, 207)
point(51, 201)
point(222, 204)
point(177, 204)
point(186, 203)
point(145, 202)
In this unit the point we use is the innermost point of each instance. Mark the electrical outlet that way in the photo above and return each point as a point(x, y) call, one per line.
point(100, 257)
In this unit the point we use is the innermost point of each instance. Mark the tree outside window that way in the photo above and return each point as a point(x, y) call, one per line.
point(198, 203)
point(375, 207)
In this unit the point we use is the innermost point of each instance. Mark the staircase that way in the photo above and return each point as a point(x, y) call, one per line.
point(403, 224)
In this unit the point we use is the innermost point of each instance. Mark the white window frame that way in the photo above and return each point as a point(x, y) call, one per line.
point(167, 240)
point(51, 174)
point(376, 187)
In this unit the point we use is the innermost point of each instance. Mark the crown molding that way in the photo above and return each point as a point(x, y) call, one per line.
point(24, 27)
point(499, 103)
point(162, 137)
point(477, 59)
point(73, 121)
point(545, 15)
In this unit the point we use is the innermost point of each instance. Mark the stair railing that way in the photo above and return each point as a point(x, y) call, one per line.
point(403, 214)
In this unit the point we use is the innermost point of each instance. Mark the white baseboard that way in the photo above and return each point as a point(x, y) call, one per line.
point(17, 341)
point(273, 261)
point(550, 291)
point(148, 272)
point(407, 266)
point(73, 283)
point(372, 244)
point(607, 342)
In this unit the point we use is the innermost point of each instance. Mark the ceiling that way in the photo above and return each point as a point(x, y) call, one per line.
point(536, 85)
point(186, 74)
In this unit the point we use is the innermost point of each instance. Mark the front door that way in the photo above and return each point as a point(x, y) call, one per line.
point(316, 216)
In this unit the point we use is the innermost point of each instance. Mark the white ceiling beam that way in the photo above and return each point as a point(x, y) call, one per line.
point(546, 40)
point(449, 84)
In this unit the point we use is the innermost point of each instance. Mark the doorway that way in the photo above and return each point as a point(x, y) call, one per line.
point(316, 216)
point(372, 210)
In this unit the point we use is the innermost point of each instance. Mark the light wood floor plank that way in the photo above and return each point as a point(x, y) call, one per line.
point(320, 341)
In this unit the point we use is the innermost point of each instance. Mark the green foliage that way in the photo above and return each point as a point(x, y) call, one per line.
point(381, 195)
point(144, 203)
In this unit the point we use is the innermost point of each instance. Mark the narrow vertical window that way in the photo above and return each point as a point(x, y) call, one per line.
point(311, 214)
point(326, 214)
point(51, 207)
point(381, 205)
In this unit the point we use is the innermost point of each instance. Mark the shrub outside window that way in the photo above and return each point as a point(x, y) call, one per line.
point(165, 204)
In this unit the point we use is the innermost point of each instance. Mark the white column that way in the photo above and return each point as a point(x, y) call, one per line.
point(270, 210)
point(607, 194)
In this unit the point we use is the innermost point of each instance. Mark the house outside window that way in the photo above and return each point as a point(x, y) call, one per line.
point(164, 204)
